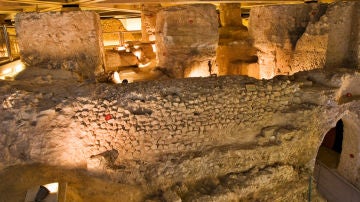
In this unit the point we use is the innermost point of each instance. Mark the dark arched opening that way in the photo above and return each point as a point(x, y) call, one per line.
point(331, 146)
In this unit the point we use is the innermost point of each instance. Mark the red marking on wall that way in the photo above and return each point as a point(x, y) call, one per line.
point(348, 95)
point(108, 117)
point(351, 156)
point(191, 21)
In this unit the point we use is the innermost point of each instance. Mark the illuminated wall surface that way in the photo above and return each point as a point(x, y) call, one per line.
point(225, 138)
point(68, 40)
point(294, 38)
point(182, 130)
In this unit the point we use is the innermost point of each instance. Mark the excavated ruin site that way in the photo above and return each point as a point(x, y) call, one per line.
point(215, 101)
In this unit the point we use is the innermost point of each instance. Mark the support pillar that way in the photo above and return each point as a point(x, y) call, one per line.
point(235, 54)
point(148, 21)
point(67, 40)
point(230, 15)
point(186, 40)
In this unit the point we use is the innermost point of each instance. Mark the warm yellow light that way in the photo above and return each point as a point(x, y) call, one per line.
point(136, 46)
point(154, 48)
point(52, 187)
point(6, 71)
point(111, 42)
point(152, 38)
point(19, 68)
point(11, 70)
point(198, 72)
point(137, 54)
point(116, 78)
point(121, 48)
point(144, 65)
point(132, 24)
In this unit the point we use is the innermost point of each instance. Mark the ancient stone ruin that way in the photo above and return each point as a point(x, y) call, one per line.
point(271, 111)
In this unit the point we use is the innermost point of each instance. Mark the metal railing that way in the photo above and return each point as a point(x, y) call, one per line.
point(333, 186)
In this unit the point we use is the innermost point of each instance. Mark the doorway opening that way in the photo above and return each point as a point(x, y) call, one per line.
point(331, 146)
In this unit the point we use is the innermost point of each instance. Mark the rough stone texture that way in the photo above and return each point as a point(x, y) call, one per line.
point(309, 36)
point(116, 59)
point(275, 30)
point(230, 15)
point(68, 40)
point(344, 31)
point(311, 48)
point(235, 54)
point(225, 138)
point(186, 39)
point(111, 29)
point(148, 21)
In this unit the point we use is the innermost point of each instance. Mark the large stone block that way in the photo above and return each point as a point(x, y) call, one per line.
point(186, 38)
point(67, 40)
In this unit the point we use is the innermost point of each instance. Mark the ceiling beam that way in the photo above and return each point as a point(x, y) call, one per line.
point(32, 2)
point(200, 1)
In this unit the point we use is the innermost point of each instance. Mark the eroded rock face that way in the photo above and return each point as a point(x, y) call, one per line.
point(68, 40)
point(275, 30)
point(308, 36)
point(186, 39)
point(228, 135)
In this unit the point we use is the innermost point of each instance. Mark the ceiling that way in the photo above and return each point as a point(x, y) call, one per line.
point(111, 8)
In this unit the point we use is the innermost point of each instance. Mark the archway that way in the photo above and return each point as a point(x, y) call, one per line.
point(331, 146)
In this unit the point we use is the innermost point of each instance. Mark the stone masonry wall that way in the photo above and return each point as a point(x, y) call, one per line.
point(186, 39)
point(111, 29)
point(69, 40)
point(235, 54)
point(312, 36)
point(275, 35)
point(182, 130)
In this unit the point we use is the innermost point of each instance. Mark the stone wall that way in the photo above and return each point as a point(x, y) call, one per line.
point(233, 130)
point(148, 21)
point(68, 40)
point(111, 29)
point(186, 39)
point(275, 30)
point(235, 54)
point(309, 36)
